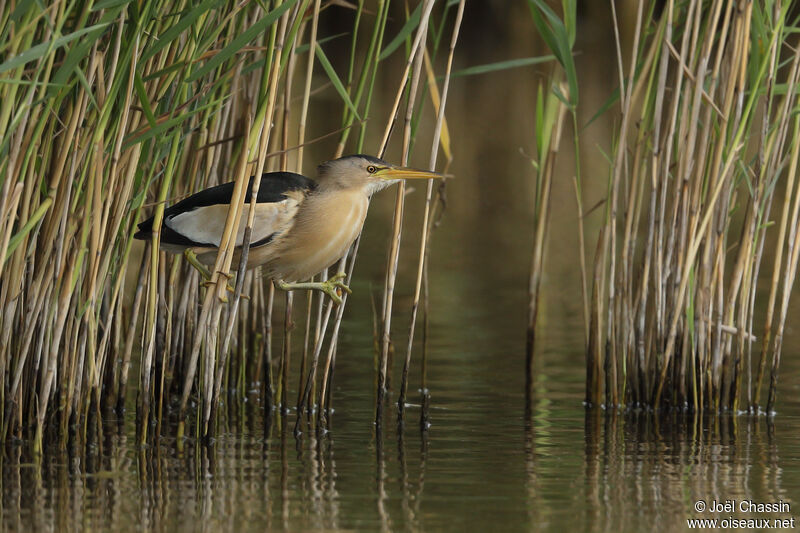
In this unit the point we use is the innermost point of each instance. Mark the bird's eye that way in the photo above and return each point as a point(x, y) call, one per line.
point(371, 169)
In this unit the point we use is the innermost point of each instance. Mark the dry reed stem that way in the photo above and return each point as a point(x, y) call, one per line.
point(426, 229)
point(415, 59)
point(554, 110)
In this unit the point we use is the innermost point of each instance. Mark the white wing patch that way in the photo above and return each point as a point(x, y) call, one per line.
point(204, 225)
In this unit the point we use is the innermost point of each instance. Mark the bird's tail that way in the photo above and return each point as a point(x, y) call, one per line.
point(145, 230)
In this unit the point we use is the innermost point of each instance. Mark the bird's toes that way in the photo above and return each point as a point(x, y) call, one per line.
point(208, 283)
point(341, 285)
point(334, 296)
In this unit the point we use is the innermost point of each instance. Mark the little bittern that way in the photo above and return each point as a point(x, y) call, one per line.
point(301, 226)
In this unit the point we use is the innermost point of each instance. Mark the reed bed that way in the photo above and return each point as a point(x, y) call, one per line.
point(697, 255)
point(112, 110)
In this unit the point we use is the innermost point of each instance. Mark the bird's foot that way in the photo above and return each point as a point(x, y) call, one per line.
point(192, 259)
point(333, 287)
point(224, 299)
point(207, 282)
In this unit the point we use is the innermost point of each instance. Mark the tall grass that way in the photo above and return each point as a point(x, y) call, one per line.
point(552, 103)
point(110, 111)
point(707, 143)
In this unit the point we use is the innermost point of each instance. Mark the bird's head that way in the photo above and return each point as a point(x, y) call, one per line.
point(366, 172)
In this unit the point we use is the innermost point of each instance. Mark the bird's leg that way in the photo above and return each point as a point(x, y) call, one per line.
point(191, 257)
point(329, 287)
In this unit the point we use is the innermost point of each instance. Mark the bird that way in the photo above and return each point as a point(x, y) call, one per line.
point(301, 225)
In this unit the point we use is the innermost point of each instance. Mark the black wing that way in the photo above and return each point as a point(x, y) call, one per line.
point(274, 188)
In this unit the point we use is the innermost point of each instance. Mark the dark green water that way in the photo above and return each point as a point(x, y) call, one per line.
point(482, 465)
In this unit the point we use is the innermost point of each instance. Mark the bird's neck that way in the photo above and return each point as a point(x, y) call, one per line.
point(367, 188)
point(378, 185)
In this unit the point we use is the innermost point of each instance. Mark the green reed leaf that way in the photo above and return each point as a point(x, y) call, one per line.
point(405, 31)
point(239, 42)
point(39, 50)
point(501, 65)
point(337, 83)
point(174, 31)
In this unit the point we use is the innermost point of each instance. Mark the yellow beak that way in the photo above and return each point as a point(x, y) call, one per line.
point(405, 173)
